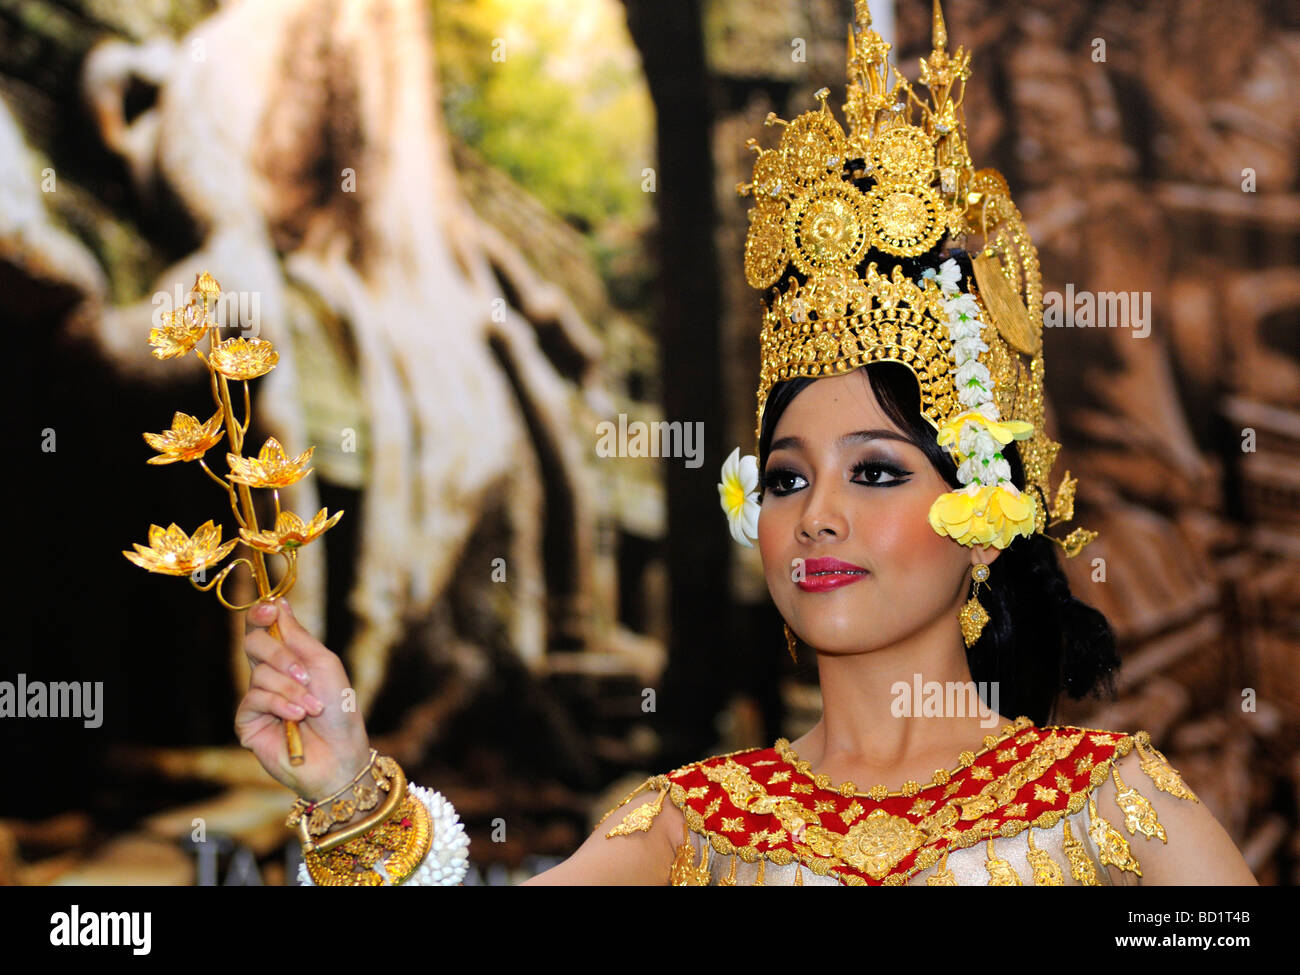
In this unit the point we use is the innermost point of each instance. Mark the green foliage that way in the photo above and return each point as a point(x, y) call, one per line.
point(553, 95)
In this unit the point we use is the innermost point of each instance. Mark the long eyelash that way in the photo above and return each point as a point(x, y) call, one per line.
point(866, 465)
point(767, 479)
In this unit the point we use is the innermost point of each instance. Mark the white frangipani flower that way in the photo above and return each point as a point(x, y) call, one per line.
point(739, 493)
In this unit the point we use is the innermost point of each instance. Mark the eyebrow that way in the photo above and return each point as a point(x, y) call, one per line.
point(857, 436)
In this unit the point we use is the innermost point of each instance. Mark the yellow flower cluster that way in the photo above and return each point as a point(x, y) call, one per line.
point(984, 514)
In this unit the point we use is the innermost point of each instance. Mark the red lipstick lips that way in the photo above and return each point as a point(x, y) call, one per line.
point(822, 575)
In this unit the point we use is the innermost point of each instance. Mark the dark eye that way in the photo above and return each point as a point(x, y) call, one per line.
point(872, 470)
point(781, 481)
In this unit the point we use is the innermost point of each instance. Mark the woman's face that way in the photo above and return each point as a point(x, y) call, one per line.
point(844, 483)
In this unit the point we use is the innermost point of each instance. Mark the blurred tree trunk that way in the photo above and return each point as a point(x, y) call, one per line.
point(688, 312)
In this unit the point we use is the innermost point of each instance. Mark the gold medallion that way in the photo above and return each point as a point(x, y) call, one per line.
point(906, 218)
point(765, 253)
point(903, 153)
point(827, 229)
point(812, 146)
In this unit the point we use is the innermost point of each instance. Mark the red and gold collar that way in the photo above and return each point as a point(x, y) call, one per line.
point(768, 804)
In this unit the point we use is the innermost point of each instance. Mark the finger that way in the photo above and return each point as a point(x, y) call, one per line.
point(311, 650)
point(267, 678)
point(262, 648)
point(258, 702)
point(260, 616)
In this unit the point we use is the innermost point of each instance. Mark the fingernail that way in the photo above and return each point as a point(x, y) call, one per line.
point(313, 705)
point(299, 674)
point(285, 603)
point(295, 710)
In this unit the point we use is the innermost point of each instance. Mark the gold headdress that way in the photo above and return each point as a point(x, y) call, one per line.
point(898, 183)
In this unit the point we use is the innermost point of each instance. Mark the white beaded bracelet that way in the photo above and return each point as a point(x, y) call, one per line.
point(446, 863)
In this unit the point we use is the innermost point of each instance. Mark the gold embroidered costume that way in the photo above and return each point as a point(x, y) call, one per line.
point(1020, 811)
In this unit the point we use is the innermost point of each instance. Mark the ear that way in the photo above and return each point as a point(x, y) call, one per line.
point(986, 554)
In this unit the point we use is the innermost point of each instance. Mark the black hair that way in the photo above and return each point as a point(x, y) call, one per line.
point(1039, 639)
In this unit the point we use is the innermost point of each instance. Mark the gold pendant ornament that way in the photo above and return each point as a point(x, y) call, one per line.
point(1111, 846)
point(1047, 872)
point(686, 871)
point(942, 877)
point(1159, 770)
point(640, 819)
point(1139, 814)
point(1001, 873)
point(1082, 868)
point(973, 616)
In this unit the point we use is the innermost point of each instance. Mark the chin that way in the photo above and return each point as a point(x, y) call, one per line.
point(841, 641)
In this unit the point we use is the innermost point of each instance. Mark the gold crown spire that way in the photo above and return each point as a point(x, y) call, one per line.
point(844, 222)
point(940, 31)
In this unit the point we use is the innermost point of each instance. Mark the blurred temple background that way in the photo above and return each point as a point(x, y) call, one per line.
point(476, 229)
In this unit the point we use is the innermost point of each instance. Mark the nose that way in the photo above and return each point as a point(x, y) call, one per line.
point(823, 517)
point(816, 530)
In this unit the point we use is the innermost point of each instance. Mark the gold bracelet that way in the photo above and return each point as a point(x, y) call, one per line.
point(404, 839)
point(374, 754)
point(315, 819)
point(396, 794)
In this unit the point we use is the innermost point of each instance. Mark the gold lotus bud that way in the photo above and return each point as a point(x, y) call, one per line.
point(206, 285)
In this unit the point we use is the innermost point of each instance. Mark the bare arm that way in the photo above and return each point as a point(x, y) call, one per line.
point(639, 858)
point(1198, 852)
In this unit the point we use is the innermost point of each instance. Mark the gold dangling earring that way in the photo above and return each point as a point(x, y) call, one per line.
point(972, 616)
point(789, 642)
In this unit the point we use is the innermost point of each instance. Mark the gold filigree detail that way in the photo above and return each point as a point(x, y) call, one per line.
point(686, 871)
point(942, 877)
point(1159, 771)
point(873, 845)
point(1082, 868)
point(1001, 873)
point(1112, 848)
point(1047, 872)
point(894, 178)
point(1139, 815)
point(640, 819)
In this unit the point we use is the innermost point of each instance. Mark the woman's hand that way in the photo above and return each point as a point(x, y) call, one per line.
point(297, 678)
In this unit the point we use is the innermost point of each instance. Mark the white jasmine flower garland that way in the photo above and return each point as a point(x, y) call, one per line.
point(990, 510)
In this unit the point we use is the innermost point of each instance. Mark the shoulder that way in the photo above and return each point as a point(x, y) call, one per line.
point(634, 843)
point(645, 835)
point(1148, 825)
point(687, 787)
point(692, 792)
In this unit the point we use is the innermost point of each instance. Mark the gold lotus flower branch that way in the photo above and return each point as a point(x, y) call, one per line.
point(172, 552)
